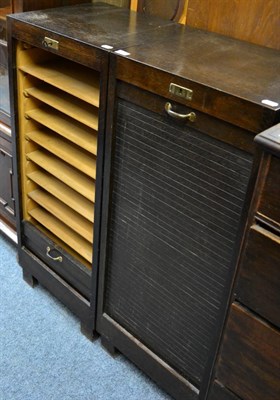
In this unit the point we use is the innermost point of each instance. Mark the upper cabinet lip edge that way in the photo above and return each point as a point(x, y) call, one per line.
point(68, 47)
point(243, 112)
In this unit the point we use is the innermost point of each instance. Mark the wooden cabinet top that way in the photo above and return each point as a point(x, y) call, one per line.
point(96, 24)
point(232, 80)
point(226, 66)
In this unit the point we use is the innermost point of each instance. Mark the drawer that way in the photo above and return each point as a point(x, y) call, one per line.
point(259, 280)
point(69, 269)
point(269, 204)
point(248, 364)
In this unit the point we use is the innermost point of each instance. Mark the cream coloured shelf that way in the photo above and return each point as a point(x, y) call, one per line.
point(67, 76)
point(66, 127)
point(63, 232)
point(67, 174)
point(64, 193)
point(61, 101)
point(64, 213)
point(62, 149)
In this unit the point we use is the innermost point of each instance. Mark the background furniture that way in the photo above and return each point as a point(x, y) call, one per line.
point(255, 21)
point(248, 362)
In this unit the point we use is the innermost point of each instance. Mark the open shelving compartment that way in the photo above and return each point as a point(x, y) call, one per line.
point(58, 112)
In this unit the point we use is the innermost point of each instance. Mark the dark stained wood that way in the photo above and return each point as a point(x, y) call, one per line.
point(95, 25)
point(229, 78)
point(269, 204)
point(74, 51)
point(254, 21)
point(7, 201)
point(249, 361)
point(34, 268)
point(172, 9)
point(156, 369)
point(219, 392)
point(259, 279)
point(69, 269)
point(27, 5)
point(214, 127)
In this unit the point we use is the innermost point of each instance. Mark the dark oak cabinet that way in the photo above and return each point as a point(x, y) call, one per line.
point(134, 176)
point(59, 73)
point(178, 160)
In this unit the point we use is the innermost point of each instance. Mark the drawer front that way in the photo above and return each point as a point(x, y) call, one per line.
point(259, 280)
point(269, 205)
point(69, 269)
point(249, 361)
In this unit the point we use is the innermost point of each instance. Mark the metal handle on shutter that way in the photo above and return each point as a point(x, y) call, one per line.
point(59, 258)
point(190, 116)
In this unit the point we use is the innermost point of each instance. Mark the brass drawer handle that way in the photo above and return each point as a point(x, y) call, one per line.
point(59, 258)
point(190, 116)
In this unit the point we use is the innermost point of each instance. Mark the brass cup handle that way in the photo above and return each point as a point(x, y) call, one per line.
point(190, 116)
point(59, 258)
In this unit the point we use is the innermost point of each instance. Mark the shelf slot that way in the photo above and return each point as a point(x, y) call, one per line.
point(66, 127)
point(64, 213)
point(65, 151)
point(65, 75)
point(63, 232)
point(64, 193)
point(64, 172)
point(67, 104)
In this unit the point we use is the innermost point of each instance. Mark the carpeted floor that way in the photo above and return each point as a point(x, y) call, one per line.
point(44, 356)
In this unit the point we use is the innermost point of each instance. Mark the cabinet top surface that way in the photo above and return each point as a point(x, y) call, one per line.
point(238, 68)
point(232, 66)
point(95, 24)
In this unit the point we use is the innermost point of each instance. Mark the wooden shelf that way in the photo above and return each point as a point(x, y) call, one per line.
point(64, 193)
point(73, 107)
point(64, 213)
point(66, 127)
point(67, 152)
point(65, 75)
point(64, 172)
point(63, 232)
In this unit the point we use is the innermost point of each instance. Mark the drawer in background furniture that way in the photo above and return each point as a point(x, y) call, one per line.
point(249, 359)
point(219, 392)
point(259, 279)
point(69, 269)
point(269, 204)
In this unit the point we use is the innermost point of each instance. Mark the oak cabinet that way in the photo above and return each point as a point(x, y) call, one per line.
point(182, 114)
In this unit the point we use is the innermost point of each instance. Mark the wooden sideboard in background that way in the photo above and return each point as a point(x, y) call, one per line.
point(255, 21)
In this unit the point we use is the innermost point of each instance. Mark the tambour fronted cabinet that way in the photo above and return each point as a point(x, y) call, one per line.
point(182, 114)
point(59, 67)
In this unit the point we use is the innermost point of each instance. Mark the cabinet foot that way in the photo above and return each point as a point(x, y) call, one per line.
point(29, 278)
point(88, 332)
point(109, 347)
